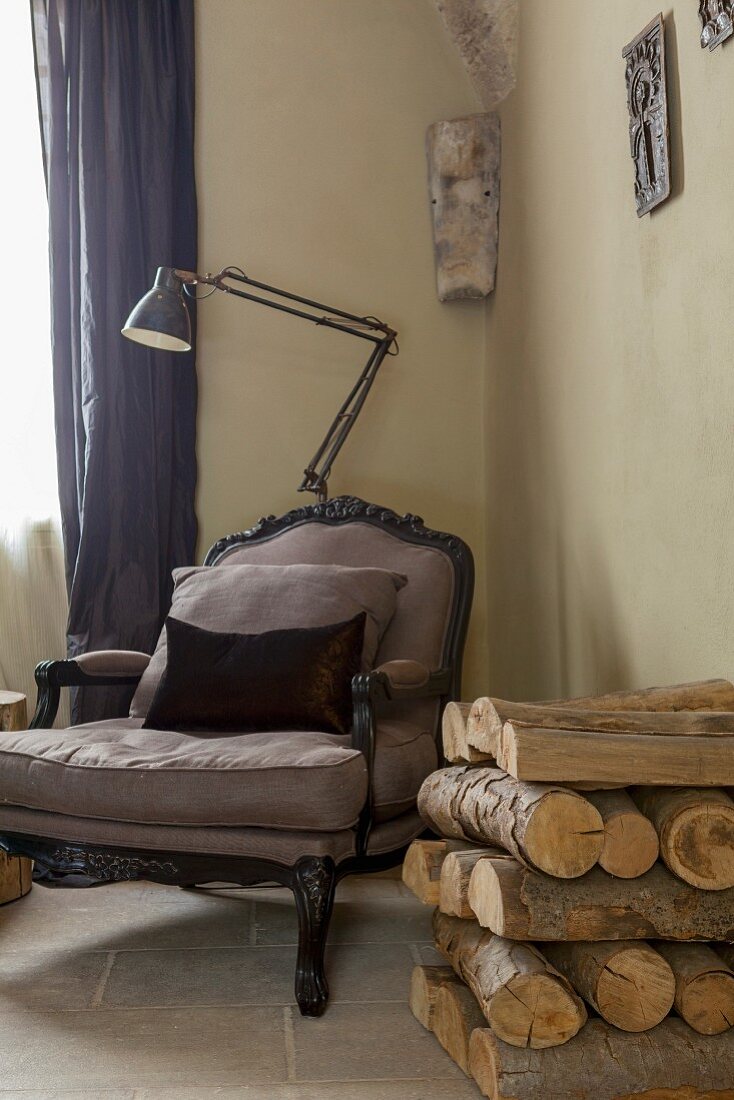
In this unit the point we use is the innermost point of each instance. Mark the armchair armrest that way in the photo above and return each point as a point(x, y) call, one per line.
point(103, 668)
point(391, 682)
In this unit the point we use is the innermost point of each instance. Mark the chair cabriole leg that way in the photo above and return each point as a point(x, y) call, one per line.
point(314, 881)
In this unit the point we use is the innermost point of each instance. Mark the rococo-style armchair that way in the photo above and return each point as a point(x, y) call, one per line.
point(94, 804)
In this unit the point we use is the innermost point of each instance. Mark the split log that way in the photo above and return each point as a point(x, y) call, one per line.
point(423, 863)
point(573, 756)
point(456, 869)
point(422, 869)
point(671, 1062)
point(553, 829)
point(521, 996)
point(704, 986)
point(456, 1014)
point(521, 904)
point(487, 716)
point(628, 983)
point(696, 831)
point(456, 747)
point(630, 840)
point(425, 982)
point(13, 711)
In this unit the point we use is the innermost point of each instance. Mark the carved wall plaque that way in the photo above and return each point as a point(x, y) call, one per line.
point(648, 109)
point(464, 190)
point(717, 22)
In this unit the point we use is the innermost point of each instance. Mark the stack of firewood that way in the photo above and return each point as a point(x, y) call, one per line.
point(584, 886)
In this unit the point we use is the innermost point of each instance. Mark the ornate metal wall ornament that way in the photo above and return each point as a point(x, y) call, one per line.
point(648, 109)
point(717, 22)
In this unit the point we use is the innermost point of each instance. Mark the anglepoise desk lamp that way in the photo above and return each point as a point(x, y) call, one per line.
point(161, 320)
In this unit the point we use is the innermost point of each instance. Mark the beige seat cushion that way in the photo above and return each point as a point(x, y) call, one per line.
point(251, 599)
point(279, 780)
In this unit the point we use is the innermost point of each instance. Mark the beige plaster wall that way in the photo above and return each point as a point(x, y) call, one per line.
point(610, 398)
point(311, 175)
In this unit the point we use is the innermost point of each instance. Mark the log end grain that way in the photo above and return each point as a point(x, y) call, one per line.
point(456, 1014)
point(707, 1002)
point(636, 989)
point(565, 836)
point(422, 869)
point(425, 982)
point(699, 845)
point(15, 878)
point(536, 1010)
point(630, 839)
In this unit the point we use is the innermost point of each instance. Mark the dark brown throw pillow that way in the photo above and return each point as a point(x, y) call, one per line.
point(282, 679)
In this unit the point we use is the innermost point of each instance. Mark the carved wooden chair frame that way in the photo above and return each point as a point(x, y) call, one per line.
point(312, 879)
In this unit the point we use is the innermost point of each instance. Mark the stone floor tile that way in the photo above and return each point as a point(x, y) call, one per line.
point(67, 1094)
point(127, 915)
point(50, 979)
point(388, 920)
point(141, 1048)
point(221, 976)
point(367, 1042)
point(369, 972)
point(323, 1090)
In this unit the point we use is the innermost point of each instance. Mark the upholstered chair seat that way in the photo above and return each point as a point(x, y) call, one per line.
point(299, 805)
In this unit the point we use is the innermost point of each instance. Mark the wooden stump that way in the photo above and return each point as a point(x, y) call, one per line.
point(422, 869)
point(15, 874)
point(551, 828)
point(521, 996)
point(671, 1062)
point(628, 983)
point(630, 840)
point(704, 986)
point(696, 831)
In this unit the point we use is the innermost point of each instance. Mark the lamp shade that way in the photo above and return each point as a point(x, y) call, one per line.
point(161, 319)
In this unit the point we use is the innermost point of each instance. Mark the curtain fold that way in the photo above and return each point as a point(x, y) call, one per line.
point(116, 101)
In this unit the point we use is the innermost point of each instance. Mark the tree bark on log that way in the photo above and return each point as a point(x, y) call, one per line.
point(425, 982)
point(628, 983)
point(696, 831)
point(573, 756)
point(521, 996)
point(456, 869)
point(487, 716)
point(456, 747)
point(521, 904)
point(630, 840)
point(553, 829)
point(456, 1014)
point(671, 1062)
point(704, 987)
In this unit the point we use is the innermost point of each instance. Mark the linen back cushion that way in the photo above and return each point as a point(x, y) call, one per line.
point(254, 598)
point(418, 628)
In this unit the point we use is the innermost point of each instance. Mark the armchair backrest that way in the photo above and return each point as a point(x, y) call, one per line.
point(433, 608)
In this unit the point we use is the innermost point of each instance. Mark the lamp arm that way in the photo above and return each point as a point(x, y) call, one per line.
point(318, 470)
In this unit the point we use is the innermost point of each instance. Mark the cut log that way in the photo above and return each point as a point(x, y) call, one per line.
point(13, 711)
point(704, 986)
point(456, 869)
point(456, 748)
point(521, 904)
point(573, 756)
point(696, 831)
point(630, 840)
point(456, 1014)
point(422, 869)
point(555, 830)
point(671, 1062)
point(628, 983)
point(521, 996)
point(425, 982)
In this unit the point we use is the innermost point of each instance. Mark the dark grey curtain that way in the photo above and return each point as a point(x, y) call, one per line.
point(116, 100)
